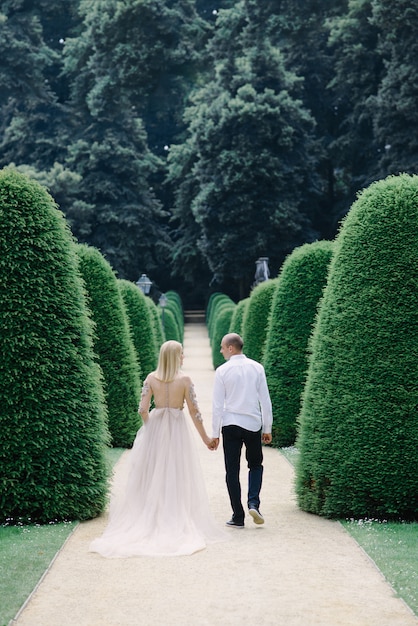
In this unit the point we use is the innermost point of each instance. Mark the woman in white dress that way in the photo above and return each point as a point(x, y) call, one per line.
point(164, 510)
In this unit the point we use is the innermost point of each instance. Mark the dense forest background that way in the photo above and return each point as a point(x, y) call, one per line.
point(185, 138)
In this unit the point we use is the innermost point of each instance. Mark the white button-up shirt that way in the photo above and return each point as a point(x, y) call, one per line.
point(241, 396)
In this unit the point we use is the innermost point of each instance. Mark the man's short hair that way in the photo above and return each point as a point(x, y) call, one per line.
point(233, 339)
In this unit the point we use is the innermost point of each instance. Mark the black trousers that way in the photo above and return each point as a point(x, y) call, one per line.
point(234, 437)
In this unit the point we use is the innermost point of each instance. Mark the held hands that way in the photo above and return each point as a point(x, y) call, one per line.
point(212, 444)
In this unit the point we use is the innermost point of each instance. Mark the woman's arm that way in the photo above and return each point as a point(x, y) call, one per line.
point(194, 411)
point(146, 395)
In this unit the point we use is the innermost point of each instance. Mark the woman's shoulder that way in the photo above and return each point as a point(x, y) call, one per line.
point(186, 380)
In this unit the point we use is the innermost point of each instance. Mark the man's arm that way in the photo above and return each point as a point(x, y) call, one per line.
point(266, 407)
point(218, 401)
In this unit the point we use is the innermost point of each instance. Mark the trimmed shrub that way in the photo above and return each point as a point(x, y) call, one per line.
point(176, 307)
point(113, 345)
point(218, 301)
point(159, 333)
point(53, 431)
point(223, 317)
point(358, 425)
point(212, 300)
point(301, 283)
point(142, 327)
point(237, 319)
point(171, 327)
point(256, 319)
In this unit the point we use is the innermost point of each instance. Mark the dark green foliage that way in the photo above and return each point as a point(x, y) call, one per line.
point(396, 115)
point(211, 304)
point(301, 283)
point(256, 319)
point(30, 115)
point(139, 54)
point(156, 323)
point(119, 212)
point(237, 319)
point(113, 346)
point(52, 412)
point(216, 302)
point(248, 154)
point(141, 324)
point(171, 327)
point(358, 424)
point(218, 319)
point(221, 325)
point(192, 147)
point(176, 325)
point(357, 72)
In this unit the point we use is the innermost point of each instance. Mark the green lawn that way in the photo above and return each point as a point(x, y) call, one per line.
point(394, 549)
point(392, 546)
point(26, 553)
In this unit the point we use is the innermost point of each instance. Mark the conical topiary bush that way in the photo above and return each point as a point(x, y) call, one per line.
point(141, 323)
point(221, 322)
point(113, 346)
point(174, 305)
point(237, 319)
point(170, 326)
point(301, 283)
point(157, 323)
point(53, 430)
point(256, 319)
point(216, 303)
point(359, 423)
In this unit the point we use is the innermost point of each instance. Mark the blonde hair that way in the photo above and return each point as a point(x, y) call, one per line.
point(169, 361)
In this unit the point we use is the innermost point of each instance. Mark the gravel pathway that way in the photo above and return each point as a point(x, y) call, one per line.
point(296, 570)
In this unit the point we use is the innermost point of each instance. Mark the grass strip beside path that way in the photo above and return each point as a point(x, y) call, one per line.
point(392, 546)
point(26, 552)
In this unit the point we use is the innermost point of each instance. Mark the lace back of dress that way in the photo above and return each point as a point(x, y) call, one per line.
point(167, 395)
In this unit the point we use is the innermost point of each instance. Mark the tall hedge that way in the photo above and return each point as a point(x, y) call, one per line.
point(301, 283)
point(237, 320)
point(53, 431)
point(113, 346)
point(170, 325)
point(174, 304)
point(217, 302)
point(141, 323)
point(211, 302)
point(222, 321)
point(359, 421)
point(156, 323)
point(256, 319)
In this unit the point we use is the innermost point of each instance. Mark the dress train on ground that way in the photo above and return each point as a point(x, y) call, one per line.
point(164, 510)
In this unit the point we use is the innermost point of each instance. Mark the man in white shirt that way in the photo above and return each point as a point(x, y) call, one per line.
point(242, 408)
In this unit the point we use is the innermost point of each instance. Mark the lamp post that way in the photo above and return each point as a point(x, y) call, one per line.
point(262, 271)
point(163, 303)
point(144, 284)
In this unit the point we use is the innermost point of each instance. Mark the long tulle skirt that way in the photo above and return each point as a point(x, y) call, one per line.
point(164, 510)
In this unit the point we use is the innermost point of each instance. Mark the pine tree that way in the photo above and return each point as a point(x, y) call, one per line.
point(396, 114)
point(247, 157)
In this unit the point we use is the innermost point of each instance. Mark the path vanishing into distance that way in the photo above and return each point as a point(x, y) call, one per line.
point(295, 570)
